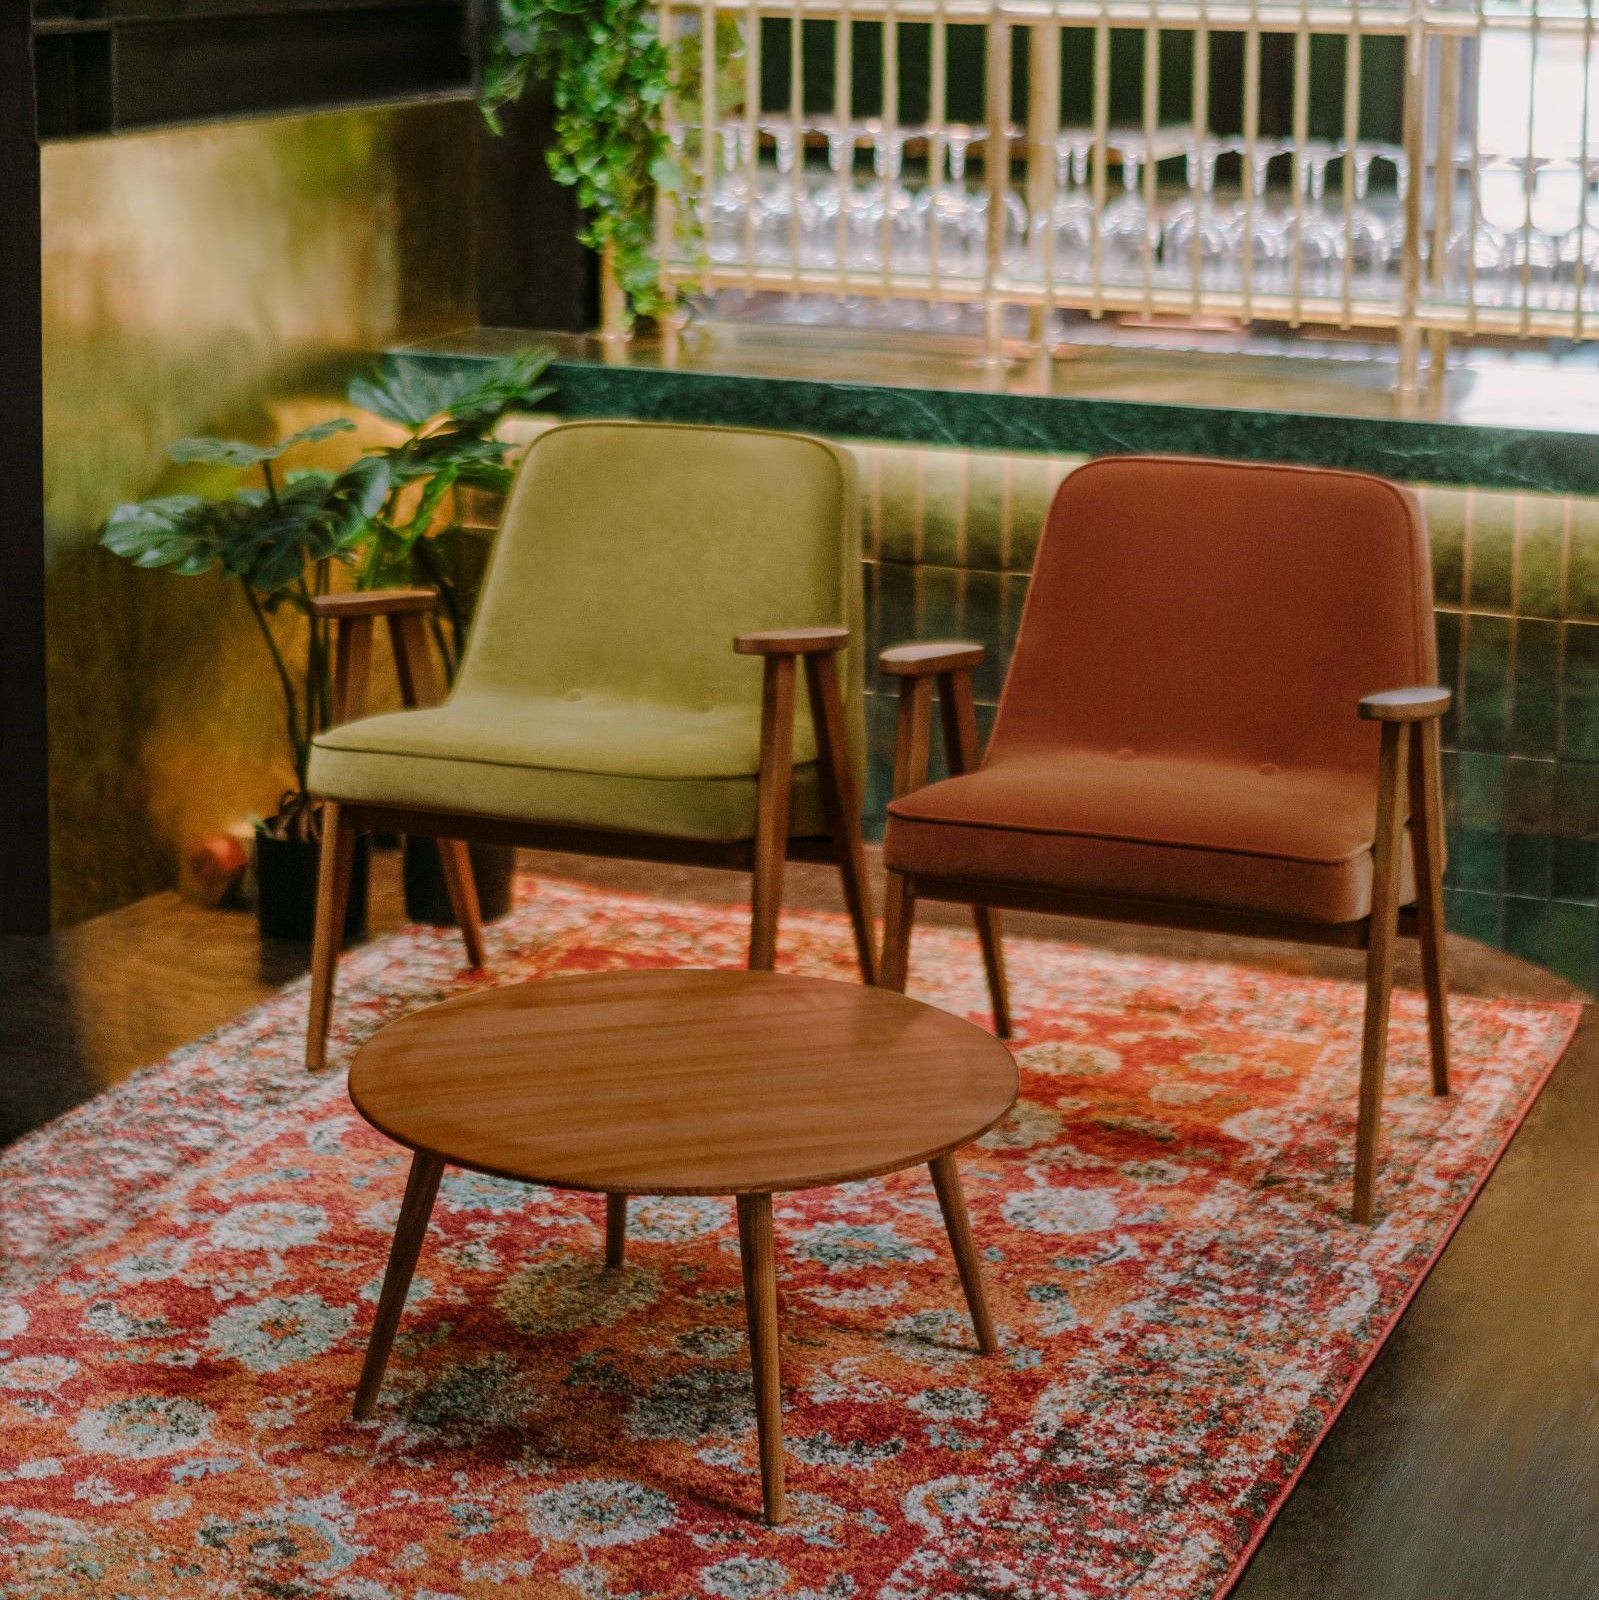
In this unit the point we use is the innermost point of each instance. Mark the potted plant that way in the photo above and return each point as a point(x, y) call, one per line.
point(394, 516)
point(279, 539)
point(418, 536)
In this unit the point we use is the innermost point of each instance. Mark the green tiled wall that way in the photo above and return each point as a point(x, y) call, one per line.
point(950, 537)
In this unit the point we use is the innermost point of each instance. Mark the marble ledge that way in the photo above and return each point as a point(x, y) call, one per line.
point(1294, 410)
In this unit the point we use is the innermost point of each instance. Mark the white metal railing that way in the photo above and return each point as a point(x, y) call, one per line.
point(1480, 217)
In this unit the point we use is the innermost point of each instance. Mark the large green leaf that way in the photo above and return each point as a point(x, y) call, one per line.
point(409, 393)
point(271, 551)
point(354, 498)
point(414, 393)
point(180, 531)
point(266, 539)
point(236, 453)
point(509, 384)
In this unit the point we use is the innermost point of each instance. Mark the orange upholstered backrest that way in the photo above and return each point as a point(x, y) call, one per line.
point(1216, 609)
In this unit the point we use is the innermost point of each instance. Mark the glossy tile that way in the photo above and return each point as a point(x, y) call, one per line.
point(1579, 701)
point(1535, 728)
point(899, 505)
point(1480, 798)
point(1574, 941)
point(1477, 916)
point(989, 511)
point(1476, 860)
point(1449, 625)
point(939, 602)
point(942, 488)
point(983, 619)
point(1574, 869)
point(1582, 561)
point(1446, 511)
point(1529, 864)
point(1526, 928)
point(1484, 722)
point(1540, 548)
point(1529, 796)
point(1490, 565)
point(1577, 800)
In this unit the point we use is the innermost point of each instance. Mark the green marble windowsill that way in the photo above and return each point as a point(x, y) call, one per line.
point(1500, 420)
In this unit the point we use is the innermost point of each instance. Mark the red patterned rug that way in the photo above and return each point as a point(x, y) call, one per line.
point(189, 1265)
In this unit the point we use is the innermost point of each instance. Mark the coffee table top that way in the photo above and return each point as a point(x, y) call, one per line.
point(683, 1082)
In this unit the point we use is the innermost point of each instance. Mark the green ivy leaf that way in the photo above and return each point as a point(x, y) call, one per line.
point(609, 76)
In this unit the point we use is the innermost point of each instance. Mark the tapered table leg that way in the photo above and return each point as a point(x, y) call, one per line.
point(760, 1307)
point(615, 1229)
point(952, 1202)
point(415, 1209)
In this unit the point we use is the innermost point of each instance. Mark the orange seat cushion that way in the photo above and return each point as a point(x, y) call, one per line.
point(1286, 843)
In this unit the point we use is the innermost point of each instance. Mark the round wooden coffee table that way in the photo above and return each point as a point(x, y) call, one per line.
point(681, 1082)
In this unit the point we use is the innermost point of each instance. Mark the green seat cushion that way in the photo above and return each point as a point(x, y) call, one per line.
point(595, 761)
point(600, 687)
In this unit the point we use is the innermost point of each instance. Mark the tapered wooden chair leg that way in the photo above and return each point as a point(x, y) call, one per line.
point(332, 900)
point(841, 804)
point(774, 793)
point(615, 1229)
point(1380, 961)
point(1427, 853)
point(1435, 979)
point(457, 863)
point(899, 913)
point(420, 1189)
point(758, 1257)
point(857, 899)
point(952, 1202)
point(989, 936)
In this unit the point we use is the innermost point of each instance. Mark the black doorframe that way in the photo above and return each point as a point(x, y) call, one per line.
point(24, 724)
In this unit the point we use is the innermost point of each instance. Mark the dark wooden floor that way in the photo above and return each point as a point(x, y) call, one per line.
point(1466, 1467)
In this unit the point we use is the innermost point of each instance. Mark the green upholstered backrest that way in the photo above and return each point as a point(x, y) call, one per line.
point(631, 553)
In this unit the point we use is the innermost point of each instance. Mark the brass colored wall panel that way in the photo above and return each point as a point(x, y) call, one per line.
point(203, 280)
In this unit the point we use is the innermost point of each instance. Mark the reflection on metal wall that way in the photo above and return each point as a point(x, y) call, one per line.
point(204, 280)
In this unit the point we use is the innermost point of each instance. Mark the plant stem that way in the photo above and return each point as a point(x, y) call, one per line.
point(318, 686)
point(300, 747)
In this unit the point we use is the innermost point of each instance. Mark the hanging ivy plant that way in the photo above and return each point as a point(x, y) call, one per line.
point(610, 76)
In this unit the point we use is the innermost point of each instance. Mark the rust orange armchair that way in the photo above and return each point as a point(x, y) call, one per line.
point(1220, 713)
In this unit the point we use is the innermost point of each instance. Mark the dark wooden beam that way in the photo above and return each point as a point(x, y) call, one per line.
point(24, 737)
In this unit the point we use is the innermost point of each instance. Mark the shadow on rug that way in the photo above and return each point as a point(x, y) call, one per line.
point(189, 1266)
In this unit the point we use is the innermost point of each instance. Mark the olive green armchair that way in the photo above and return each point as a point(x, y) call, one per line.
point(629, 686)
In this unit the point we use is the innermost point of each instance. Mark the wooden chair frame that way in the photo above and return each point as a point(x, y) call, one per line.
point(1409, 795)
point(763, 857)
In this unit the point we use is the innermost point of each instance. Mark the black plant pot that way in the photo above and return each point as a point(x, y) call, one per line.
point(427, 899)
point(285, 877)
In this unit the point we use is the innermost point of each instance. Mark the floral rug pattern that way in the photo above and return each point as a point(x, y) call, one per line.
point(189, 1267)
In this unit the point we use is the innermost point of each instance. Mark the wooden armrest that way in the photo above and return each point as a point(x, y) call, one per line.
point(373, 603)
point(1406, 705)
point(792, 642)
point(923, 660)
